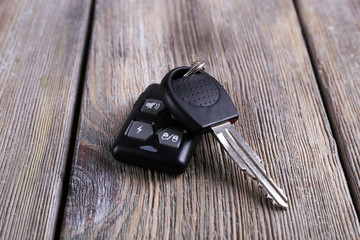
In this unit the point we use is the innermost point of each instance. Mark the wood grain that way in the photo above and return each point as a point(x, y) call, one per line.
point(256, 50)
point(41, 44)
point(333, 34)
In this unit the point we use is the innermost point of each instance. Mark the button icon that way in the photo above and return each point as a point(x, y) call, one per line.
point(170, 137)
point(140, 130)
point(153, 106)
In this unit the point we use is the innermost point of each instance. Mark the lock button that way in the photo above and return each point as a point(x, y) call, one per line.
point(170, 137)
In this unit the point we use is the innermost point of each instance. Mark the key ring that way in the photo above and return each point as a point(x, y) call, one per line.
point(195, 67)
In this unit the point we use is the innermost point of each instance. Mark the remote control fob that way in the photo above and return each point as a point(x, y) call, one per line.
point(152, 138)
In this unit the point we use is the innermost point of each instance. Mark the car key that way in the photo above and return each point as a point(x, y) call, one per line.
point(152, 138)
point(198, 101)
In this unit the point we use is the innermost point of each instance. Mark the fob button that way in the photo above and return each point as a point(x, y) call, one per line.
point(153, 106)
point(148, 148)
point(170, 137)
point(140, 130)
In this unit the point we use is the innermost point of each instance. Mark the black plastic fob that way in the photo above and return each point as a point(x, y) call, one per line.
point(197, 101)
point(152, 138)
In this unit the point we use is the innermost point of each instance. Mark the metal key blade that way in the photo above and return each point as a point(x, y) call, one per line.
point(247, 159)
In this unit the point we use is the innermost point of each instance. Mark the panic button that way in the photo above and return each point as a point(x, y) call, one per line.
point(170, 137)
point(153, 106)
point(140, 130)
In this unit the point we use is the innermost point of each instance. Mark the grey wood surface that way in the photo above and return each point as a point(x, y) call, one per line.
point(256, 50)
point(333, 34)
point(41, 44)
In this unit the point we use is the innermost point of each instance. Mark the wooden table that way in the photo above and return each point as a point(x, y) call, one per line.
point(70, 72)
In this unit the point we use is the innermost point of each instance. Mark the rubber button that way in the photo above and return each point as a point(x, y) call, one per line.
point(170, 137)
point(148, 148)
point(140, 130)
point(153, 106)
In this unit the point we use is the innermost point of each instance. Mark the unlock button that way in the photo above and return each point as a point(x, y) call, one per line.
point(170, 137)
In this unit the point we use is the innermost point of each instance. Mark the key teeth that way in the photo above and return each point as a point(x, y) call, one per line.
point(280, 206)
point(275, 203)
point(248, 173)
point(268, 196)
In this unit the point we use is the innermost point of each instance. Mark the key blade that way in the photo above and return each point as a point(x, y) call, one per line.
point(247, 159)
point(234, 151)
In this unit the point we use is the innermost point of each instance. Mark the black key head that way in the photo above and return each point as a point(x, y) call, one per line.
point(197, 101)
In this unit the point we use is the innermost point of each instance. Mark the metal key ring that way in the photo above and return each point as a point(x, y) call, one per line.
point(195, 67)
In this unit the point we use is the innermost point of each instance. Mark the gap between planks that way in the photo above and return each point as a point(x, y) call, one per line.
point(330, 116)
point(75, 121)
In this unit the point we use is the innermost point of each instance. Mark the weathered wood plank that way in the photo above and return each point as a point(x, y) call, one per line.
point(256, 50)
point(41, 45)
point(333, 35)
